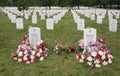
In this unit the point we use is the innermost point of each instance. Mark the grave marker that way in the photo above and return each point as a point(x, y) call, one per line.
point(49, 24)
point(113, 25)
point(19, 23)
point(34, 36)
point(81, 24)
point(89, 36)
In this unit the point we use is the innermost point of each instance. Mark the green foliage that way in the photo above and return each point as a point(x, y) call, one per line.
point(22, 5)
point(63, 3)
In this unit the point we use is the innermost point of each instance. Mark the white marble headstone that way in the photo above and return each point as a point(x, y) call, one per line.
point(89, 36)
point(92, 17)
point(34, 35)
point(55, 18)
point(117, 15)
point(34, 19)
point(42, 16)
point(81, 24)
point(99, 19)
point(19, 23)
point(13, 20)
point(50, 24)
point(110, 16)
point(26, 16)
point(113, 25)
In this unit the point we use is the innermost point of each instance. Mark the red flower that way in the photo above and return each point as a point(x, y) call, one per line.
point(72, 48)
point(98, 56)
point(21, 49)
point(42, 44)
point(35, 57)
point(21, 57)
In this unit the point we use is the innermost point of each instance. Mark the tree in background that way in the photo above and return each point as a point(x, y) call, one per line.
point(22, 4)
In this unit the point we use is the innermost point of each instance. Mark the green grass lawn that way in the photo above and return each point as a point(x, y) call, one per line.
point(65, 33)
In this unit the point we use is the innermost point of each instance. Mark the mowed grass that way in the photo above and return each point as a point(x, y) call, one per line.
point(64, 33)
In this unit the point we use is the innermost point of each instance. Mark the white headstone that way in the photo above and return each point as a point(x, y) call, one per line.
point(99, 19)
point(113, 25)
point(26, 16)
point(42, 16)
point(34, 36)
point(13, 20)
point(19, 23)
point(92, 17)
point(34, 19)
point(89, 36)
point(49, 24)
point(81, 24)
point(110, 16)
point(55, 18)
point(117, 15)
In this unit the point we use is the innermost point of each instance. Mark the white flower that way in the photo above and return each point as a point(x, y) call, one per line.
point(105, 63)
point(40, 51)
point(82, 56)
point(19, 60)
point(25, 52)
point(109, 61)
point(97, 61)
point(97, 65)
point(33, 52)
point(25, 58)
point(38, 54)
point(41, 58)
point(89, 58)
point(94, 54)
point(100, 53)
point(89, 63)
point(103, 57)
point(20, 53)
point(81, 60)
point(32, 60)
point(34, 47)
point(110, 56)
point(14, 58)
point(27, 62)
point(77, 57)
point(32, 57)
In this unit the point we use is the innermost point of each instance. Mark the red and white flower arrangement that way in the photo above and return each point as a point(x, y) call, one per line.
point(27, 54)
point(96, 55)
point(60, 50)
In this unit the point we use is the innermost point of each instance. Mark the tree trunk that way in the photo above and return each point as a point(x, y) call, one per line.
point(100, 5)
point(104, 6)
point(110, 6)
point(78, 7)
point(49, 7)
point(118, 6)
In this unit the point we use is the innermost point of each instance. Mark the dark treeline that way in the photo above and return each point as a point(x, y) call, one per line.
point(63, 3)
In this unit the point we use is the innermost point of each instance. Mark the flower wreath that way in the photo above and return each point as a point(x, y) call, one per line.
point(27, 53)
point(95, 54)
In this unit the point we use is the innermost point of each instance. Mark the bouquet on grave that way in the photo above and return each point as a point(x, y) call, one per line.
point(27, 53)
point(96, 54)
point(62, 50)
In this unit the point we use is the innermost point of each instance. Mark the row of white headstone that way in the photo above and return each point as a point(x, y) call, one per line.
point(80, 22)
point(19, 21)
point(100, 13)
point(56, 18)
point(92, 13)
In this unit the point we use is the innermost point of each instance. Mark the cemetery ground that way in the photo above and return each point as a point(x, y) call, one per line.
point(65, 33)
